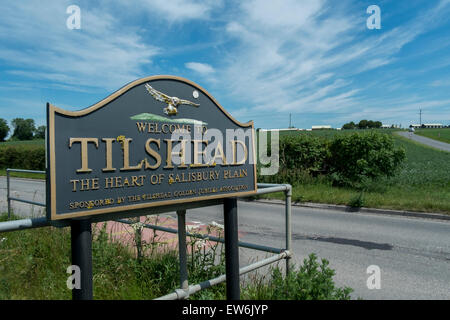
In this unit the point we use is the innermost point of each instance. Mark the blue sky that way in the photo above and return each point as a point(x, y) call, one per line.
point(262, 60)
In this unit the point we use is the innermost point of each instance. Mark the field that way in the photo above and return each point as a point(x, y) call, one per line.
point(422, 185)
point(31, 143)
point(442, 135)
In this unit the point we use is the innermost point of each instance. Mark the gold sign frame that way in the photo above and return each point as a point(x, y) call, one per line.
point(51, 170)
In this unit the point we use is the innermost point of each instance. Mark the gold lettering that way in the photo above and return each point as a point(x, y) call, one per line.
point(126, 157)
point(183, 154)
point(198, 145)
point(126, 183)
point(141, 126)
point(118, 182)
point(84, 151)
point(170, 153)
point(153, 153)
point(109, 142)
point(84, 184)
point(109, 183)
point(74, 184)
point(234, 148)
point(94, 185)
point(219, 150)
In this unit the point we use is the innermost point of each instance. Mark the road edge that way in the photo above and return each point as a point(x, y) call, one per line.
point(343, 208)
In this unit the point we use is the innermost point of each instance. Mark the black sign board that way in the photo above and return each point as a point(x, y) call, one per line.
point(157, 141)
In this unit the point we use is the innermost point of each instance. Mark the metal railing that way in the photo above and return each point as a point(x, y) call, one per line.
point(8, 187)
point(185, 289)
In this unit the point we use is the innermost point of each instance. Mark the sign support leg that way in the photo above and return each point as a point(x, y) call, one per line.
point(231, 249)
point(182, 249)
point(8, 195)
point(81, 241)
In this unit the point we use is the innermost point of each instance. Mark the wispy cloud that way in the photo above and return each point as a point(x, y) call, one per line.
point(302, 56)
point(174, 11)
point(201, 68)
point(100, 54)
point(305, 57)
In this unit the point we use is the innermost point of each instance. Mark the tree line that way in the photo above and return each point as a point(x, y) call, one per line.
point(363, 124)
point(23, 129)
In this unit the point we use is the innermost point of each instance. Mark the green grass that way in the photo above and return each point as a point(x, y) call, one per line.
point(442, 135)
point(423, 184)
point(39, 143)
point(33, 266)
point(25, 175)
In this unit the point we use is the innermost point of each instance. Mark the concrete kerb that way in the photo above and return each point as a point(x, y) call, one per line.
point(414, 214)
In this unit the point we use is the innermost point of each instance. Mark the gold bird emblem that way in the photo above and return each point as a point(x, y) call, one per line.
point(172, 102)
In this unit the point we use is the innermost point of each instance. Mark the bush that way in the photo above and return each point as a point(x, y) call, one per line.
point(30, 158)
point(353, 160)
point(301, 157)
point(359, 158)
point(303, 152)
point(312, 281)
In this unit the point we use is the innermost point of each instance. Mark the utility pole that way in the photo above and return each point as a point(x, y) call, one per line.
point(420, 113)
point(290, 120)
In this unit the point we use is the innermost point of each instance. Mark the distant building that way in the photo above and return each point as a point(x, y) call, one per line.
point(432, 125)
point(427, 126)
point(320, 127)
point(286, 129)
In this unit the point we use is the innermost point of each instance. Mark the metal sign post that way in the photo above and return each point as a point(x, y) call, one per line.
point(81, 241)
point(231, 248)
point(158, 141)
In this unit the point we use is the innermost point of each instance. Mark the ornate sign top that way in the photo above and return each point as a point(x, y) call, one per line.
point(156, 141)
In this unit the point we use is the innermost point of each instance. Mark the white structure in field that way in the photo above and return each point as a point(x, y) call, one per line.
point(427, 125)
point(320, 127)
point(389, 126)
point(287, 129)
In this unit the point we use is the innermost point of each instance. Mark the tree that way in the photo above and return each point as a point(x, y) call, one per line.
point(363, 124)
point(378, 124)
point(39, 133)
point(4, 129)
point(23, 128)
point(349, 126)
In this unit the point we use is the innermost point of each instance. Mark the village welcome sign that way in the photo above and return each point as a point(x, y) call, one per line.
point(157, 141)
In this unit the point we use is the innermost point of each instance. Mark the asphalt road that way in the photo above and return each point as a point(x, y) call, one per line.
point(27, 189)
point(427, 141)
point(413, 254)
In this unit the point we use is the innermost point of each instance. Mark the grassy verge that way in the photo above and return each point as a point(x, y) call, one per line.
point(33, 265)
point(23, 175)
point(423, 184)
point(38, 143)
point(392, 197)
point(442, 135)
